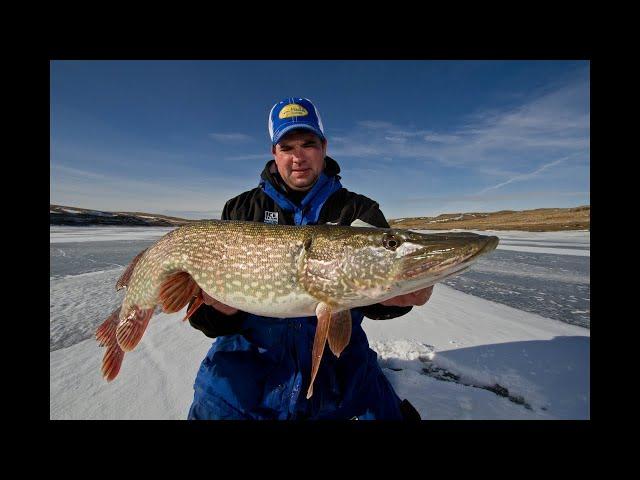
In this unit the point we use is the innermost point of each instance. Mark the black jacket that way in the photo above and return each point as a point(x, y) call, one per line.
point(341, 208)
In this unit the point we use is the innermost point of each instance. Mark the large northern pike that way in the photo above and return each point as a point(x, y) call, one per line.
point(281, 271)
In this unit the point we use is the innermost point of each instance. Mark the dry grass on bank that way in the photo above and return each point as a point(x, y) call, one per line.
point(538, 220)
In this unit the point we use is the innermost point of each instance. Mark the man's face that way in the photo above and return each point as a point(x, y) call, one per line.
point(299, 158)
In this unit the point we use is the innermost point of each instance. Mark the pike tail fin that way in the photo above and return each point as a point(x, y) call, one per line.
point(106, 332)
point(106, 336)
point(112, 361)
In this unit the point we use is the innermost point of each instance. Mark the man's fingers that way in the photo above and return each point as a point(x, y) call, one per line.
point(422, 296)
point(221, 307)
point(208, 299)
point(417, 298)
point(226, 309)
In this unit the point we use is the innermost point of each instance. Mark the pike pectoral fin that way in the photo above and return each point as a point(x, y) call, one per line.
point(123, 281)
point(323, 312)
point(176, 291)
point(194, 306)
point(340, 332)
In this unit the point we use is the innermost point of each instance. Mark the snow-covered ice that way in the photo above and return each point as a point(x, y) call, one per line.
point(552, 281)
point(69, 234)
point(575, 242)
point(542, 361)
point(457, 357)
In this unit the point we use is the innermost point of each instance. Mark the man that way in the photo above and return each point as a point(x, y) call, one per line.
point(259, 367)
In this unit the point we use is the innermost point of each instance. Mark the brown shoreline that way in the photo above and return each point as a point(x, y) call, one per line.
point(538, 220)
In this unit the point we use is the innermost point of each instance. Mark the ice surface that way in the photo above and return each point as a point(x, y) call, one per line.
point(99, 233)
point(510, 348)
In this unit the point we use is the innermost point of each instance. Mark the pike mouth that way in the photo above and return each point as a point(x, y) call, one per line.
point(450, 266)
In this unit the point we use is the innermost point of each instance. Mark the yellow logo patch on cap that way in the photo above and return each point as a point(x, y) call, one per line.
point(293, 110)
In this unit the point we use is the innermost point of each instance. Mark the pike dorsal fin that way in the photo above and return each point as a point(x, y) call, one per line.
point(359, 223)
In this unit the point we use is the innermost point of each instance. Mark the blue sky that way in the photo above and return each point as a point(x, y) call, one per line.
point(420, 137)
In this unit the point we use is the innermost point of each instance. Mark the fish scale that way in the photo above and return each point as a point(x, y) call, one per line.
point(238, 256)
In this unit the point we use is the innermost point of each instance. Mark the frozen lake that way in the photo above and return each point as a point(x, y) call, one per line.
point(504, 340)
point(554, 286)
point(85, 263)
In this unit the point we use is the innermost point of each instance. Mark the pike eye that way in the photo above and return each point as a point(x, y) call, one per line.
point(390, 242)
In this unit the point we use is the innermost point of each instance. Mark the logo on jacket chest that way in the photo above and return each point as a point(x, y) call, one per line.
point(271, 217)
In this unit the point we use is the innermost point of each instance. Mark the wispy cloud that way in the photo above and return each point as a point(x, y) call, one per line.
point(396, 139)
point(374, 124)
point(433, 137)
point(193, 214)
point(252, 156)
point(527, 176)
point(88, 189)
point(485, 197)
point(532, 154)
point(77, 172)
point(231, 137)
point(552, 124)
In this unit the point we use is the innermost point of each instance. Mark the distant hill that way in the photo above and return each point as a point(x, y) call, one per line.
point(538, 220)
point(62, 215)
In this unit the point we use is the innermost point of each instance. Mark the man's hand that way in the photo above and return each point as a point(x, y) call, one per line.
point(418, 297)
point(221, 307)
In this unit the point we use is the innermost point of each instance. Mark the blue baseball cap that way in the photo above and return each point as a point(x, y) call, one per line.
point(292, 113)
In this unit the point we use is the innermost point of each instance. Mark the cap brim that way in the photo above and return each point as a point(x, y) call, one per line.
point(295, 126)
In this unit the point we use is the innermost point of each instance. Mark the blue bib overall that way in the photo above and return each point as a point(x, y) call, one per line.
point(264, 372)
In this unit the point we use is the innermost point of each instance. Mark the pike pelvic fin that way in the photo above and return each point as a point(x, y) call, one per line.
point(340, 332)
point(106, 336)
point(130, 330)
point(176, 291)
point(123, 281)
point(323, 312)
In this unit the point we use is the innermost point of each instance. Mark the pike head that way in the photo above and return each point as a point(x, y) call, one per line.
point(348, 267)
